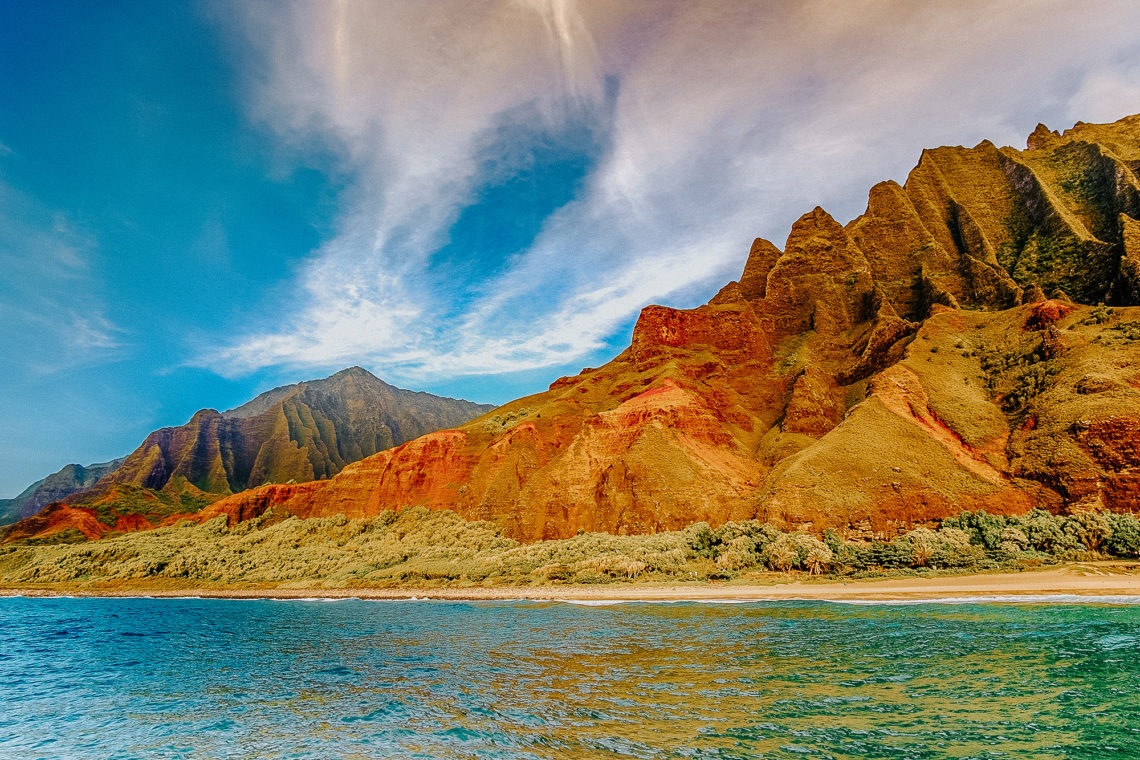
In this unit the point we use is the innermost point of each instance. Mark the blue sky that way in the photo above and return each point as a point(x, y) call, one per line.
point(199, 201)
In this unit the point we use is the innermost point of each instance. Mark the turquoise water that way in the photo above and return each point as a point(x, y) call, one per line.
point(142, 678)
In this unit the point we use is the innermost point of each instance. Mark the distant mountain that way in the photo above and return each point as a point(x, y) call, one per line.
point(307, 431)
point(58, 485)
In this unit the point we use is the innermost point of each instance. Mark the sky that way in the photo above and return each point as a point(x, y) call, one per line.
point(203, 200)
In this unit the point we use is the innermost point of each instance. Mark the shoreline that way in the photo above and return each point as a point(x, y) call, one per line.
point(1084, 580)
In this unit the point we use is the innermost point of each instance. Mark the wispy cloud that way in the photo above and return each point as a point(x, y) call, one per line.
point(722, 120)
point(49, 296)
point(1107, 94)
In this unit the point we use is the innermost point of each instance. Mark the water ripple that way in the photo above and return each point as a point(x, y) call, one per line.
point(197, 678)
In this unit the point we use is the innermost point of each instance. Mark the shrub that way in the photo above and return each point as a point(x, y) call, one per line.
point(954, 549)
point(891, 554)
point(924, 544)
point(615, 565)
point(983, 528)
point(1125, 540)
point(798, 550)
point(1090, 529)
point(701, 539)
point(730, 560)
point(1044, 532)
point(780, 554)
point(1013, 541)
point(818, 556)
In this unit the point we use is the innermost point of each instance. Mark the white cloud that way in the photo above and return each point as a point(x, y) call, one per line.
point(1106, 96)
point(731, 119)
point(49, 296)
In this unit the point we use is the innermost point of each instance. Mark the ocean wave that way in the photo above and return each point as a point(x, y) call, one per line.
point(1120, 599)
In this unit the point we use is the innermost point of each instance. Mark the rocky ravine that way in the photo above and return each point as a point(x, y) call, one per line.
point(941, 352)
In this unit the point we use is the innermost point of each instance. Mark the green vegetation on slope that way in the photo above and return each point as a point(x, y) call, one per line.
point(417, 547)
point(125, 500)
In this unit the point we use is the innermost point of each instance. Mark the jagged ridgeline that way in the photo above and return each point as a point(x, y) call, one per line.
point(996, 227)
point(307, 431)
point(945, 351)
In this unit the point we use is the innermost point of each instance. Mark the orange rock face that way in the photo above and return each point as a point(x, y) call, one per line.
point(57, 518)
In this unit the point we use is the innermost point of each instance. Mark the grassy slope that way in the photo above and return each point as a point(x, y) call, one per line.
point(418, 547)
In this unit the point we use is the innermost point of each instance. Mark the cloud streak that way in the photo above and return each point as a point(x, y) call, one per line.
point(721, 120)
point(49, 299)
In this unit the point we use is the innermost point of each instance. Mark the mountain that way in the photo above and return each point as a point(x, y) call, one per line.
point(943, 351)
point(306, 431)
point(71, 478)
point(948, 349)
point(300, 432)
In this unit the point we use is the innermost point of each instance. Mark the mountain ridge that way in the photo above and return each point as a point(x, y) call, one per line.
point(925, 358)
point(64, 482)
point(302, 431)
point(949, 349)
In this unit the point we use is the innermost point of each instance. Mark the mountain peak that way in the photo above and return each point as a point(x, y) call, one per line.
point(354, 371)
point(301, 432)
point(1042, 138)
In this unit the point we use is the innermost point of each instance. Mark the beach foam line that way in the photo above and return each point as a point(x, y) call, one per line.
point(1117, 599)
point(611, 602)
point(1111, 599)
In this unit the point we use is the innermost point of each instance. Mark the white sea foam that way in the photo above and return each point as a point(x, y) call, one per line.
point(1000, 599)
point(1114, 599)
point(611, 602)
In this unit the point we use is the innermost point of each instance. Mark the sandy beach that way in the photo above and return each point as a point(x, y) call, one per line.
point(1108, 579)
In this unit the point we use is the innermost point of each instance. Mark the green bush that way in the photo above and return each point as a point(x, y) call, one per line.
point(701, 539)
point(1089, 529)
point(1125, 540)
point(798, 551)
point(422, 546)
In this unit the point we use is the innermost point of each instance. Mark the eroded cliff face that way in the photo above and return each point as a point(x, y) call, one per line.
point(927, 357)
point(941, 352)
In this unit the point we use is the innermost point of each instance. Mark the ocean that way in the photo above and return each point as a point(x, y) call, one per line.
point(208, 678)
